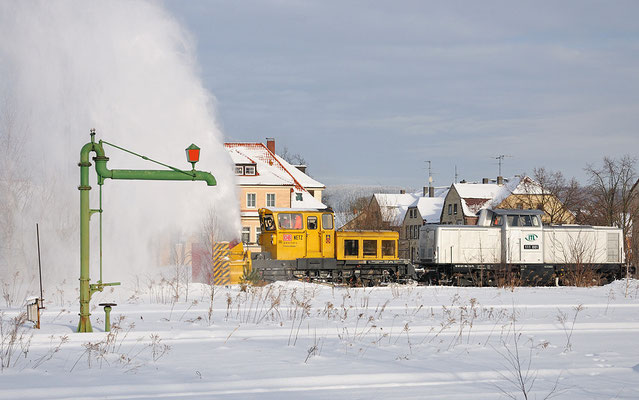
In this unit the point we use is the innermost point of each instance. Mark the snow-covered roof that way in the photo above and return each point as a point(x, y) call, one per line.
point(477, 196)
point(271, 170)
point(430, 208)
point(395, 205)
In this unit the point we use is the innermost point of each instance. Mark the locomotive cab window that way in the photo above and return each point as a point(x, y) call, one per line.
point(370, 248)
point(311, 223)
point(268, 224)
point(351, 248)
point(388, 248)
point(497, 221)
point(290, 221)
point(327, 221)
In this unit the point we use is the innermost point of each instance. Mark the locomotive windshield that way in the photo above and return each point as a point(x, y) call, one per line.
point(290, 221)
point(523, 220)
point(268, 224)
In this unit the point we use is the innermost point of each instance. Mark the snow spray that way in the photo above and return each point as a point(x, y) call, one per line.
point(127, 69)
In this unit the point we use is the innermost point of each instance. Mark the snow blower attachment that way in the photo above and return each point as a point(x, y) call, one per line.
point(103, 172)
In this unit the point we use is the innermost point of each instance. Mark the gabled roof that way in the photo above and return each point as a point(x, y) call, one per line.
point(394, 206)
point(430, 208)
point(477, 196)
point(272, 170)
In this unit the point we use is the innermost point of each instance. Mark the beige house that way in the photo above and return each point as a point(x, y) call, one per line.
point(464, 200)
point(265, 179)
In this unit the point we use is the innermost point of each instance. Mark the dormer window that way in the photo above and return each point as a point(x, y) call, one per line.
point(245, 169)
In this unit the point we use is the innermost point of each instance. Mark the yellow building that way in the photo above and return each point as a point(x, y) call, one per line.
point(265, 180)
point(464, 200)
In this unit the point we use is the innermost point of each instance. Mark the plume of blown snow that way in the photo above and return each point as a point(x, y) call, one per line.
point(129, 70)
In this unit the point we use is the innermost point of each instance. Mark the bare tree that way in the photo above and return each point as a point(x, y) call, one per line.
point(568, 195)
point(369, 214)
point(292, 158)
point(550, 192)
point(614, 194)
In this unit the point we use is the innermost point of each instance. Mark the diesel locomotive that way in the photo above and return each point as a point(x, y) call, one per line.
point(302, 244)
point(513, 243)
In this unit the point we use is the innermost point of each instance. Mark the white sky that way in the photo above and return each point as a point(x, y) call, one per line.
point(367, 91)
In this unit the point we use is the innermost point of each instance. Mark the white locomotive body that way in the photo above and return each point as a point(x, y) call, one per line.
point(516, 242)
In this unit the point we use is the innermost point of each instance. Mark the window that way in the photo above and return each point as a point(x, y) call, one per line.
point(327, 221)
point(290, 221)
point(249, 170)
point(455, 209)
point(298, 197)
point(351, 248)
point(388, 248)
point(250, 200)
point(269, 224)
point(370, 248)
point(311, 223)
point(246, 234)
point(258, 232)
point(496, 221)
point(450, 209)
point(239, 170)
point(270, 199)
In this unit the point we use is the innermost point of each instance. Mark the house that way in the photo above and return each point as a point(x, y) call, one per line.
point(402, 212)
point(425, 210)
point(264, 179)
point(464, 200)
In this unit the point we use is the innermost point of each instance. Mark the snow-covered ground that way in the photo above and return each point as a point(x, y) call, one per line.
point(300, 340)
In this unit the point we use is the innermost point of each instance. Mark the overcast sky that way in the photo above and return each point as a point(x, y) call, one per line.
point(368, 91)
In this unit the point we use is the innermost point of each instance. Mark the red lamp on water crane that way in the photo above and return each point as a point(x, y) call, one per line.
point(193, 154)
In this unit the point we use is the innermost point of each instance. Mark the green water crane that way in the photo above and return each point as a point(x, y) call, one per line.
point(103, 172)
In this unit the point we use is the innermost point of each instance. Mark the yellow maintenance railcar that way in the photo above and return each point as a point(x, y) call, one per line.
point(303, 244)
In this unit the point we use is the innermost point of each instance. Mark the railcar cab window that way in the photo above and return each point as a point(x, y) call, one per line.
point(370, 248)
point(268, 224)
point(290, 221)
point(388, 248)
point(327, 221)
point(311, 223)
point(351, 247)
point(497, 220)
point(523, 220)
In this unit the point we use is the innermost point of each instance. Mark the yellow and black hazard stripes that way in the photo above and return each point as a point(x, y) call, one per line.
point(221, 268)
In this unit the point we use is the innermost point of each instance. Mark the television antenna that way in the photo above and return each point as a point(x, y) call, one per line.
point(500, 160)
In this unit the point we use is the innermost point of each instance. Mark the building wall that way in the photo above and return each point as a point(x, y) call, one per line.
point(456, 215)
point(409, 234)
point(548, 203)
point(282, 200)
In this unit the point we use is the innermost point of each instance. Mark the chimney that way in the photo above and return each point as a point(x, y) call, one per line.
point(425, 191)
point(402, 191)
point(270, 144)
point(500, 180)
point(485, 181)
point(301, 167)
point(431, 191)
